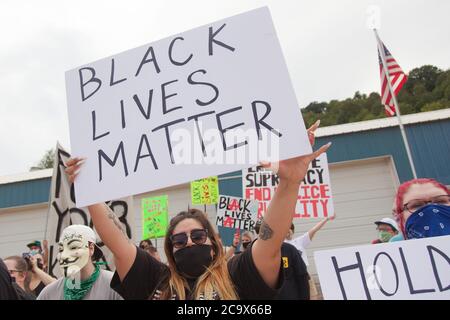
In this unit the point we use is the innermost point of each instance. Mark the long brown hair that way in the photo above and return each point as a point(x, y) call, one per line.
point(215, 279)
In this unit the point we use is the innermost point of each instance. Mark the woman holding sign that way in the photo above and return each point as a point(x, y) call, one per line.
point(423, 209)
point(197, 268)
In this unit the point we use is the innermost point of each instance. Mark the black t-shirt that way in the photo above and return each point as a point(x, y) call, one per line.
point(7, 290)
point(38, 288)
point(147, 276)
point(296, 284)
point(23, 295)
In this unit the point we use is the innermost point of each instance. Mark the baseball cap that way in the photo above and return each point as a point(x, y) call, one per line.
point(388, 221)
point(35, 243)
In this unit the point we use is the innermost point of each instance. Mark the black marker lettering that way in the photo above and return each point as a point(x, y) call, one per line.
point(408, 277)
point(111, 79)
point(164, 97)
point(223, 130)
point(433, 264)
point(166, 129)
point(195, 117)
point(193, 82)
point(112, 163)
point(145, 60)
point(212, 40)
point(260, 121)
point(359, 266)
point(92, 79)
point(177, 63)
point(149, 153)
point(145, 113)
point(94, 122)
point(395, 271)
point(122, 113)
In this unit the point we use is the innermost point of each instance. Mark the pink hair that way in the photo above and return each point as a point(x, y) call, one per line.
point(404, 187)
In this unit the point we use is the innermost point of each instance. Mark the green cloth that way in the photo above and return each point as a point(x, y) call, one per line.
point(78, 293)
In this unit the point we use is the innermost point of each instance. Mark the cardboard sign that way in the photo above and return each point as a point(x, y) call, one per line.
point(205, 191)
point(410, 269)
point(63, 212)
point(209, 101)
point(314, 195)
point(237, 213)
point(155, 217)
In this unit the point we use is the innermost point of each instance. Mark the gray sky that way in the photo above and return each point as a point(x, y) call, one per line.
point(330, 51)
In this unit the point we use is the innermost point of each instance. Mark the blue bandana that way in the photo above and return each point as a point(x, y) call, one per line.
point(432, 220)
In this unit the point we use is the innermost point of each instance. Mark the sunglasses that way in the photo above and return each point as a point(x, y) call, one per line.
point(180, 240)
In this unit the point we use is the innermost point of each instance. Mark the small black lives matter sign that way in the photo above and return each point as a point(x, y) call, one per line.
point(237, 213)
point(183, 108)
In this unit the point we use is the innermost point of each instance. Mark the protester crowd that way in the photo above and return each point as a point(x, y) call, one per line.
point(270, 264)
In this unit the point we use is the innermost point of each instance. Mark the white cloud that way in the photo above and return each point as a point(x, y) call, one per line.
point(328, 48)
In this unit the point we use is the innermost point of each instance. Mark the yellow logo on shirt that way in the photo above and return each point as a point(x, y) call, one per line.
point(285, 262)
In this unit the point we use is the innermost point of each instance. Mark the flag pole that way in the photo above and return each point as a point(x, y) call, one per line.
point(397, 109)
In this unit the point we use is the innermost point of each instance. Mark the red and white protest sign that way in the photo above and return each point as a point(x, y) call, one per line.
point(314, 195)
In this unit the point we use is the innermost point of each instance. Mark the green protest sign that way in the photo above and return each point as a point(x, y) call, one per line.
point(205, 191)
point(155, 217)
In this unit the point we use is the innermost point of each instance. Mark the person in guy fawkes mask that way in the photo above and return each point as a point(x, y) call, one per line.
point(423, 209)
point(83, 279)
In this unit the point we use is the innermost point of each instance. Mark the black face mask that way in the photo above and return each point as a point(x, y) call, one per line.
point(192, 261)
point(245, 244)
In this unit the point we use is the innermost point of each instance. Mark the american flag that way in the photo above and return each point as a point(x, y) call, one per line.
point(396, 77)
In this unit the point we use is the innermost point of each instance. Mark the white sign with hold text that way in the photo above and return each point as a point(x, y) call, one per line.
point(410, 269)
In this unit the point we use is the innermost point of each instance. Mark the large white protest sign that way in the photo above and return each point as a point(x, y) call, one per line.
point(237, 213)
point(412, 269)
point(63, 212)
point(314, 195)
point(209, 101)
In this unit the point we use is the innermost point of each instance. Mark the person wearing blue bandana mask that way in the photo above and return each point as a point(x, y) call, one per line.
point(423, 209)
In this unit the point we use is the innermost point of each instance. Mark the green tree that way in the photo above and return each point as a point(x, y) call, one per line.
point(427, 89)
point(46, 161)
point(427, 75)
point(436, 105)
point(317, 107)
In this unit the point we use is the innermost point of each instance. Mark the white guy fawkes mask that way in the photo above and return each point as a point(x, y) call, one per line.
point(73, 254)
